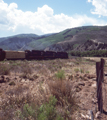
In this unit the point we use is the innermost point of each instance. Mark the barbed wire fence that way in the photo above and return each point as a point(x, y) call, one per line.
point(101, 87)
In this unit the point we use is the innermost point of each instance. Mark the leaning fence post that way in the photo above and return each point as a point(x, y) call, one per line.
point(99, 80)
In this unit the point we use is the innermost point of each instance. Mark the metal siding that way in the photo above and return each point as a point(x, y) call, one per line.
point(15, 54)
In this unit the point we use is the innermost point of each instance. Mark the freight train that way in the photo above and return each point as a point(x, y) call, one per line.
point(31, 55)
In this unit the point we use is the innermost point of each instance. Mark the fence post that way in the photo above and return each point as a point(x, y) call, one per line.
point(99, 80)
point(92, 116)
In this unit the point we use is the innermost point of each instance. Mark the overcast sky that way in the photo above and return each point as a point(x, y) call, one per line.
point(49, 16)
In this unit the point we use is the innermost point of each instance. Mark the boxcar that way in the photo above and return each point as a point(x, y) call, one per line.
point(50, 55)
point(14, 55)
point(62, 55)
point(2, 55)
point(34, 54)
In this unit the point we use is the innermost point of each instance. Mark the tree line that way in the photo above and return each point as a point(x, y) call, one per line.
point(93, 53)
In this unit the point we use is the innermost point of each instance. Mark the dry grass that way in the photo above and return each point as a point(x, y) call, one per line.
point(4, 69)
point(36, 81)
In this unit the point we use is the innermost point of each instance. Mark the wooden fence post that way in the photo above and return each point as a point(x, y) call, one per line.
point(92, 116)
point(100, 79)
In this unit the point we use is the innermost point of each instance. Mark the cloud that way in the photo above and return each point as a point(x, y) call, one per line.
point(100, 7)
point(42, 21)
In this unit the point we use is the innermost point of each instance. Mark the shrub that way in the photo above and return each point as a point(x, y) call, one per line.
point(4, 69)
point(46, 111)
point(62, 91)
point(76, 70)
point(87, 71)
point(28, 111)
point(81, 70)
point(26, 70)
point(12, 83)
point(60, 74)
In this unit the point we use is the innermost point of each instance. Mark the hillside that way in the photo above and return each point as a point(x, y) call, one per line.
point(91, 45)
point(96, 33)
point(66, 40)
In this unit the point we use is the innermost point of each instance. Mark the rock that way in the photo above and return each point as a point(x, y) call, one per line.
point(86, 75)
point(7, 79)
point(81, 83)
point(70, 77)
point(86, 116)
point(98, 114)
point(85, 79)
point(94, 79)
point(94, 85)
point(23, 80)
point(78, 89)
point(92, 76)
point(12, 83)
point(94, 100)
point(2, 79)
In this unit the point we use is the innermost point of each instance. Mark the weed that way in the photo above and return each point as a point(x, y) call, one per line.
point(62, 91)
point(12, 83)
point(77, 62)
point(28, 111)
point(46, 111)
point(60, 74)
point(76, 70)
point(87, 72)
point(4, 69)
point(81, 70)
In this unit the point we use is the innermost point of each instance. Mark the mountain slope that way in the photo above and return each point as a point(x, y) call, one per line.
point(97, 33)
point(66, 40)
point(91, 45)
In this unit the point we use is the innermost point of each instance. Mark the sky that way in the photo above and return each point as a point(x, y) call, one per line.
point(49, 16)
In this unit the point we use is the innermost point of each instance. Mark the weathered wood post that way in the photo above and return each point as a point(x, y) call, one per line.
point(99, 80)
point(92, 116)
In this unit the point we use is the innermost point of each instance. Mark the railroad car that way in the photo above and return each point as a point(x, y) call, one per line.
point(50, 55)
point(14, 55)
point(29, 55)
point(62, 55)
point(2, 55)
point(34, 54)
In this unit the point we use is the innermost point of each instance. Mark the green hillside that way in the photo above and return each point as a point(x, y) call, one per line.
point(76, 36)
point(61, 36)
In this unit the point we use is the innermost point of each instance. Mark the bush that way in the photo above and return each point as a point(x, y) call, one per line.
point(62, 91)
point(46, 111)
point(76, 70)
point(28, 111)
point(12, 83)
point(60, 74)
point(81, 70)
point(4, 69)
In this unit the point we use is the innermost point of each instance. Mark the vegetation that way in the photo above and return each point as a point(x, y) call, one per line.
point(93, 53)
point(46, 111)
point(41, 42)
point(35, 91)
point(60, 74)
